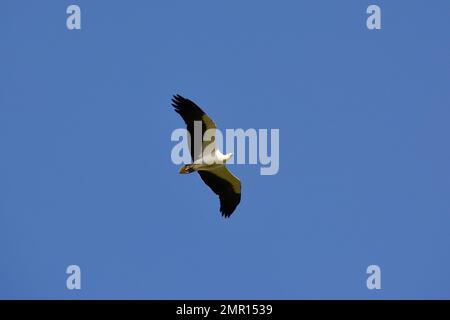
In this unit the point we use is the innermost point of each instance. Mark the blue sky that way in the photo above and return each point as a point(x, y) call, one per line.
point(86, 176)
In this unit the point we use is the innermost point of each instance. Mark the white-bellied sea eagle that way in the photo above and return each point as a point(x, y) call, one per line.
point(210, 166)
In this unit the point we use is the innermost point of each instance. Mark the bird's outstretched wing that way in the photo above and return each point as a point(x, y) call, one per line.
point(226, 186)
point(190, 112)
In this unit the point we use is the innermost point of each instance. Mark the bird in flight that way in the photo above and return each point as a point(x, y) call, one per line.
point(209, 165)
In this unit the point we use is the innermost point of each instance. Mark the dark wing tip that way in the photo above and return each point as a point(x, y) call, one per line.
point(221, 186)
point(177, 97)
point(177, 100)
point(181, 103)
point(227, 206)
point(226, 215)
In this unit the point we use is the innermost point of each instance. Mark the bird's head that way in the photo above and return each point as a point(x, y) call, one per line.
point(228, 156)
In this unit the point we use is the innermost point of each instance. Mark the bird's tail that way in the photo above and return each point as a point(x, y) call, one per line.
point(189, 168)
